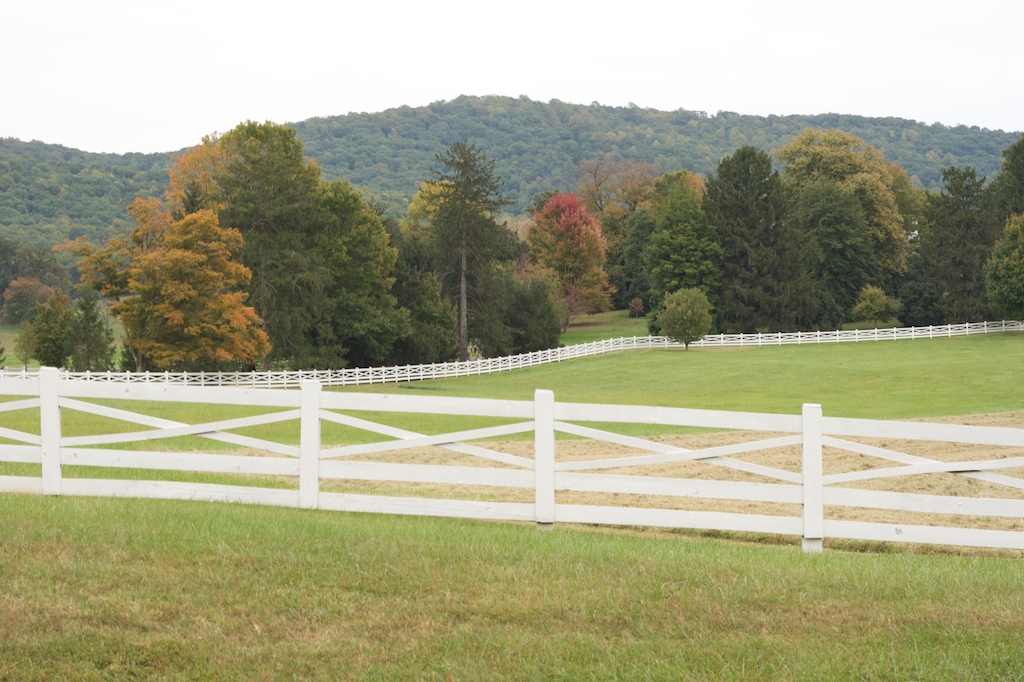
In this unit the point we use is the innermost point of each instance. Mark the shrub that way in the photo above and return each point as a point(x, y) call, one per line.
point(636, 307)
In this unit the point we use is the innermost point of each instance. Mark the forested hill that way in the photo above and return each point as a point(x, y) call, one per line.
point(49, 193)
point(537, 145)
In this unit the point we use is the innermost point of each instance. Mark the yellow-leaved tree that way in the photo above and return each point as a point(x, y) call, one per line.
point(880, 188)
point(177, 290)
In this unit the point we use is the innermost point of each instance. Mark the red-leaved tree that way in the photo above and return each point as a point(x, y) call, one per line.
point(565, 239)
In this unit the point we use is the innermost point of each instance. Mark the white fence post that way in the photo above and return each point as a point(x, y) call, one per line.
point(49, 428)
point(309, 444)
point(813, 484)
point(544, 457)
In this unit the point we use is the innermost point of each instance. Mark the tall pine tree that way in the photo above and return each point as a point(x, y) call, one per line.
point(766, 281)
point(957, 244)
point(466, 234)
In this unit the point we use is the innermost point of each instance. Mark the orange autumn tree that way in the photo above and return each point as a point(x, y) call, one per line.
point(565, 239)
point(176, 289)
point(192, 180)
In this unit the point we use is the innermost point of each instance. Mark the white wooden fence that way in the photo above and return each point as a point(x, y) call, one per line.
point(311, 463)
point(447, 370)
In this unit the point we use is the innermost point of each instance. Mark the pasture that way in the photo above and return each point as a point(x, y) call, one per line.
point(119, 589)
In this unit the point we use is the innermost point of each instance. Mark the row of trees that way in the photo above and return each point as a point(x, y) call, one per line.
point(801, 247)
point(253, 259)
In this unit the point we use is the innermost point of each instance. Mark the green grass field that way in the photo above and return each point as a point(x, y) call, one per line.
point(106, 589)
point(886, 379)
point(109, 589)
point(8, 334)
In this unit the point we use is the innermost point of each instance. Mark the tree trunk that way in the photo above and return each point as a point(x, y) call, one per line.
point(463, 300)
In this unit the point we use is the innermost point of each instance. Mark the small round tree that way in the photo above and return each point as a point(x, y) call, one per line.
point(686, 317)
point(1004, 273)
point(873, 304)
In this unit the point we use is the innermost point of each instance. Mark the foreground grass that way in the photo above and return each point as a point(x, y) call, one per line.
point(124, 589)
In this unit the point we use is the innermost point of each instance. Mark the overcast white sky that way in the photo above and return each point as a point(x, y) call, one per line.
point(130, 75)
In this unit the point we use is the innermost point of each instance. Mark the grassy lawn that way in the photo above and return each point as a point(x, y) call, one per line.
point(886, 379)
point(8, 334)
point(101, 589)
point(601, 326)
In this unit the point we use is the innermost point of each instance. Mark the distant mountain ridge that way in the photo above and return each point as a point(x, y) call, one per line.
point(49, 193)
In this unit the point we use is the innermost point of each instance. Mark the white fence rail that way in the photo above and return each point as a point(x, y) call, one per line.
point(447, 370)
point(543, 477)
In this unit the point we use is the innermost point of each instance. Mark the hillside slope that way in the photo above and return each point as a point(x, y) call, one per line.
point(50, 193)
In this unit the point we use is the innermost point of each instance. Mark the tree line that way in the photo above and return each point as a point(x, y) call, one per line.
point(252, 258)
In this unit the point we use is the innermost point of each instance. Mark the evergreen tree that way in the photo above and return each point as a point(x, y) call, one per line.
point(520, 315)
point(1004, 273)
point(92, 339)
point(268, 192)
point(360, 319)
point(51, 331)
point(635, 277)
point(766, 280)
point(466, 234)
point(682, 252)
point(957, 244)
point(920, 304)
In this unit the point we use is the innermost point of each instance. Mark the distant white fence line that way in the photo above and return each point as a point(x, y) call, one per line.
point(446, 370)
point(310, 463)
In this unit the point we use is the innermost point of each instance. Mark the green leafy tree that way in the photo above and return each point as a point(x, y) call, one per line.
point(92, 340)
point(21, 262)
point(861, 170)
point(920, 304)
point(465, 231)
point(956, 245)
point(433, 319)
point(873, 304)
point(686, 316)
point(25, 343)
point(521, 315)
point(1004, 272)
point(361, 318)
point(682, 252)
point(841, 246)
point(766, 266)
point(52, 331)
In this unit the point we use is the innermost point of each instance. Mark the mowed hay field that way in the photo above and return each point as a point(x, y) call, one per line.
point(133, 589)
